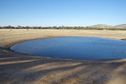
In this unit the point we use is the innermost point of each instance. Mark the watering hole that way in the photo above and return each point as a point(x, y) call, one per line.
point(72, 47)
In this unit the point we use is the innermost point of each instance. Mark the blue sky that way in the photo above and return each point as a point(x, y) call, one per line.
point(62, 12)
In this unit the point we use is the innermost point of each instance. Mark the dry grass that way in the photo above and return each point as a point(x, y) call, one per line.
point(22, 69)
point(11, 36)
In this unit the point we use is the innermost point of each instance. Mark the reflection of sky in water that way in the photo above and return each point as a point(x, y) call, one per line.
point(90, 48)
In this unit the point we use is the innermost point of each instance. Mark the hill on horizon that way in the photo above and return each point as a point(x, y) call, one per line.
point(108, 26)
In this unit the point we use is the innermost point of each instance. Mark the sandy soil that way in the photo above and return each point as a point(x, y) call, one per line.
point(24, 69)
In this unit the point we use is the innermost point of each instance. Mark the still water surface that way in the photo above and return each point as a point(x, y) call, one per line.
point(82, 48)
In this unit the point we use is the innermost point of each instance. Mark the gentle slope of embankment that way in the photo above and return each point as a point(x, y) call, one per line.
point(22, 69)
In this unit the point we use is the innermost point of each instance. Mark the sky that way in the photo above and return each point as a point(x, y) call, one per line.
point(62, 12)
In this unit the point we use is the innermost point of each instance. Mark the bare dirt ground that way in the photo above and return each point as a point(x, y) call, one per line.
point(24, 69)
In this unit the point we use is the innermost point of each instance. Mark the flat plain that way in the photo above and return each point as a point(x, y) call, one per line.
point(17, 68)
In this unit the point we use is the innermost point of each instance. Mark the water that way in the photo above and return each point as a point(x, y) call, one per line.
point(82, 48)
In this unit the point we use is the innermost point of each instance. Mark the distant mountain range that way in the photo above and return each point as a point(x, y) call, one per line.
point(108, 26)
point(120, 26)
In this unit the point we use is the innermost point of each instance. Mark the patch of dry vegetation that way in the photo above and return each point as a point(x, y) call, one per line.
point(12, 36)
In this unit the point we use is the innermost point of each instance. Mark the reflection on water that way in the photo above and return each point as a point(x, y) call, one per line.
point(83, 48)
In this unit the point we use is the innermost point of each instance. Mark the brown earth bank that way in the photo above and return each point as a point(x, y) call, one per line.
point(25, 69)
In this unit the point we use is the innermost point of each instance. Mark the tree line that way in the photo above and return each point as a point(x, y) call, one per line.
point(60, 27)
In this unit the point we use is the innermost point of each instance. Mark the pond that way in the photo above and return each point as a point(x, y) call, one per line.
point(72, 47)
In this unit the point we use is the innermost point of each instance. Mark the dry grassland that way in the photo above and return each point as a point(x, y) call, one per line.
point(22, 69)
